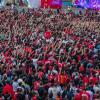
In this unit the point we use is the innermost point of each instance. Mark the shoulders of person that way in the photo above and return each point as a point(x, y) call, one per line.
point(50, 89)
point(34, 60)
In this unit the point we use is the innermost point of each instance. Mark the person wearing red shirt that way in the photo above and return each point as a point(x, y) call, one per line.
point(34, 98)
point(85, 95)
point(81, 68)
point(93, 79)
point(40, 74)
point(8, 89)
point(50, 77)
point(85, 80)
point(62, 78)
point(77, 96)
point(36, 85)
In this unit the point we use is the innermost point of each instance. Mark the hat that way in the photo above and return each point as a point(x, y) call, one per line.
point(20, 81)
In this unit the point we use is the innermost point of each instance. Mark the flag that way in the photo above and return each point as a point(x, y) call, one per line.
point(51, 4)
point(45, 3)
point(56, 4)
point(47, 35)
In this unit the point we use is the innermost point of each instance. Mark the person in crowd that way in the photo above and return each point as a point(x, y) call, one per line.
point(48, 56)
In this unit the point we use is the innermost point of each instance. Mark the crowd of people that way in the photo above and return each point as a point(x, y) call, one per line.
point(47, 55)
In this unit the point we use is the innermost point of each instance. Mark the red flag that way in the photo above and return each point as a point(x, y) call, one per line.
point(56, 4)
point(45, 3)
point(47, 35)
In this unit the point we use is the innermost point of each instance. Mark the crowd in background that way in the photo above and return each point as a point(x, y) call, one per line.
point(49, 56)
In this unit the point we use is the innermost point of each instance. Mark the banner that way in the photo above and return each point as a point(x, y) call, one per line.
point(56, 4)
point(45, 3)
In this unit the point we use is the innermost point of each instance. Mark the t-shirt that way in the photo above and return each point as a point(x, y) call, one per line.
point(85, 96)
point(40, 74)
point(8, 89)
point(81, 68)
point(35, 62)
point(62, 79)
point(50, 77)
point(77, 96)
point(53, 90)
point(15, 85)
point(85, 79)
point(34, 98)
point(91, 94)
point(93, 80)
point(36, 85)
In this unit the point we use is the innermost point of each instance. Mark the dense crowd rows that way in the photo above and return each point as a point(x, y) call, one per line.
point(49, 56)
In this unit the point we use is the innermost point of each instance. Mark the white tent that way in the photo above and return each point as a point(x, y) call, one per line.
point(34, 3)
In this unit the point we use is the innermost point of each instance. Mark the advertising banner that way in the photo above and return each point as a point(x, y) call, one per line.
point(56, 4)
